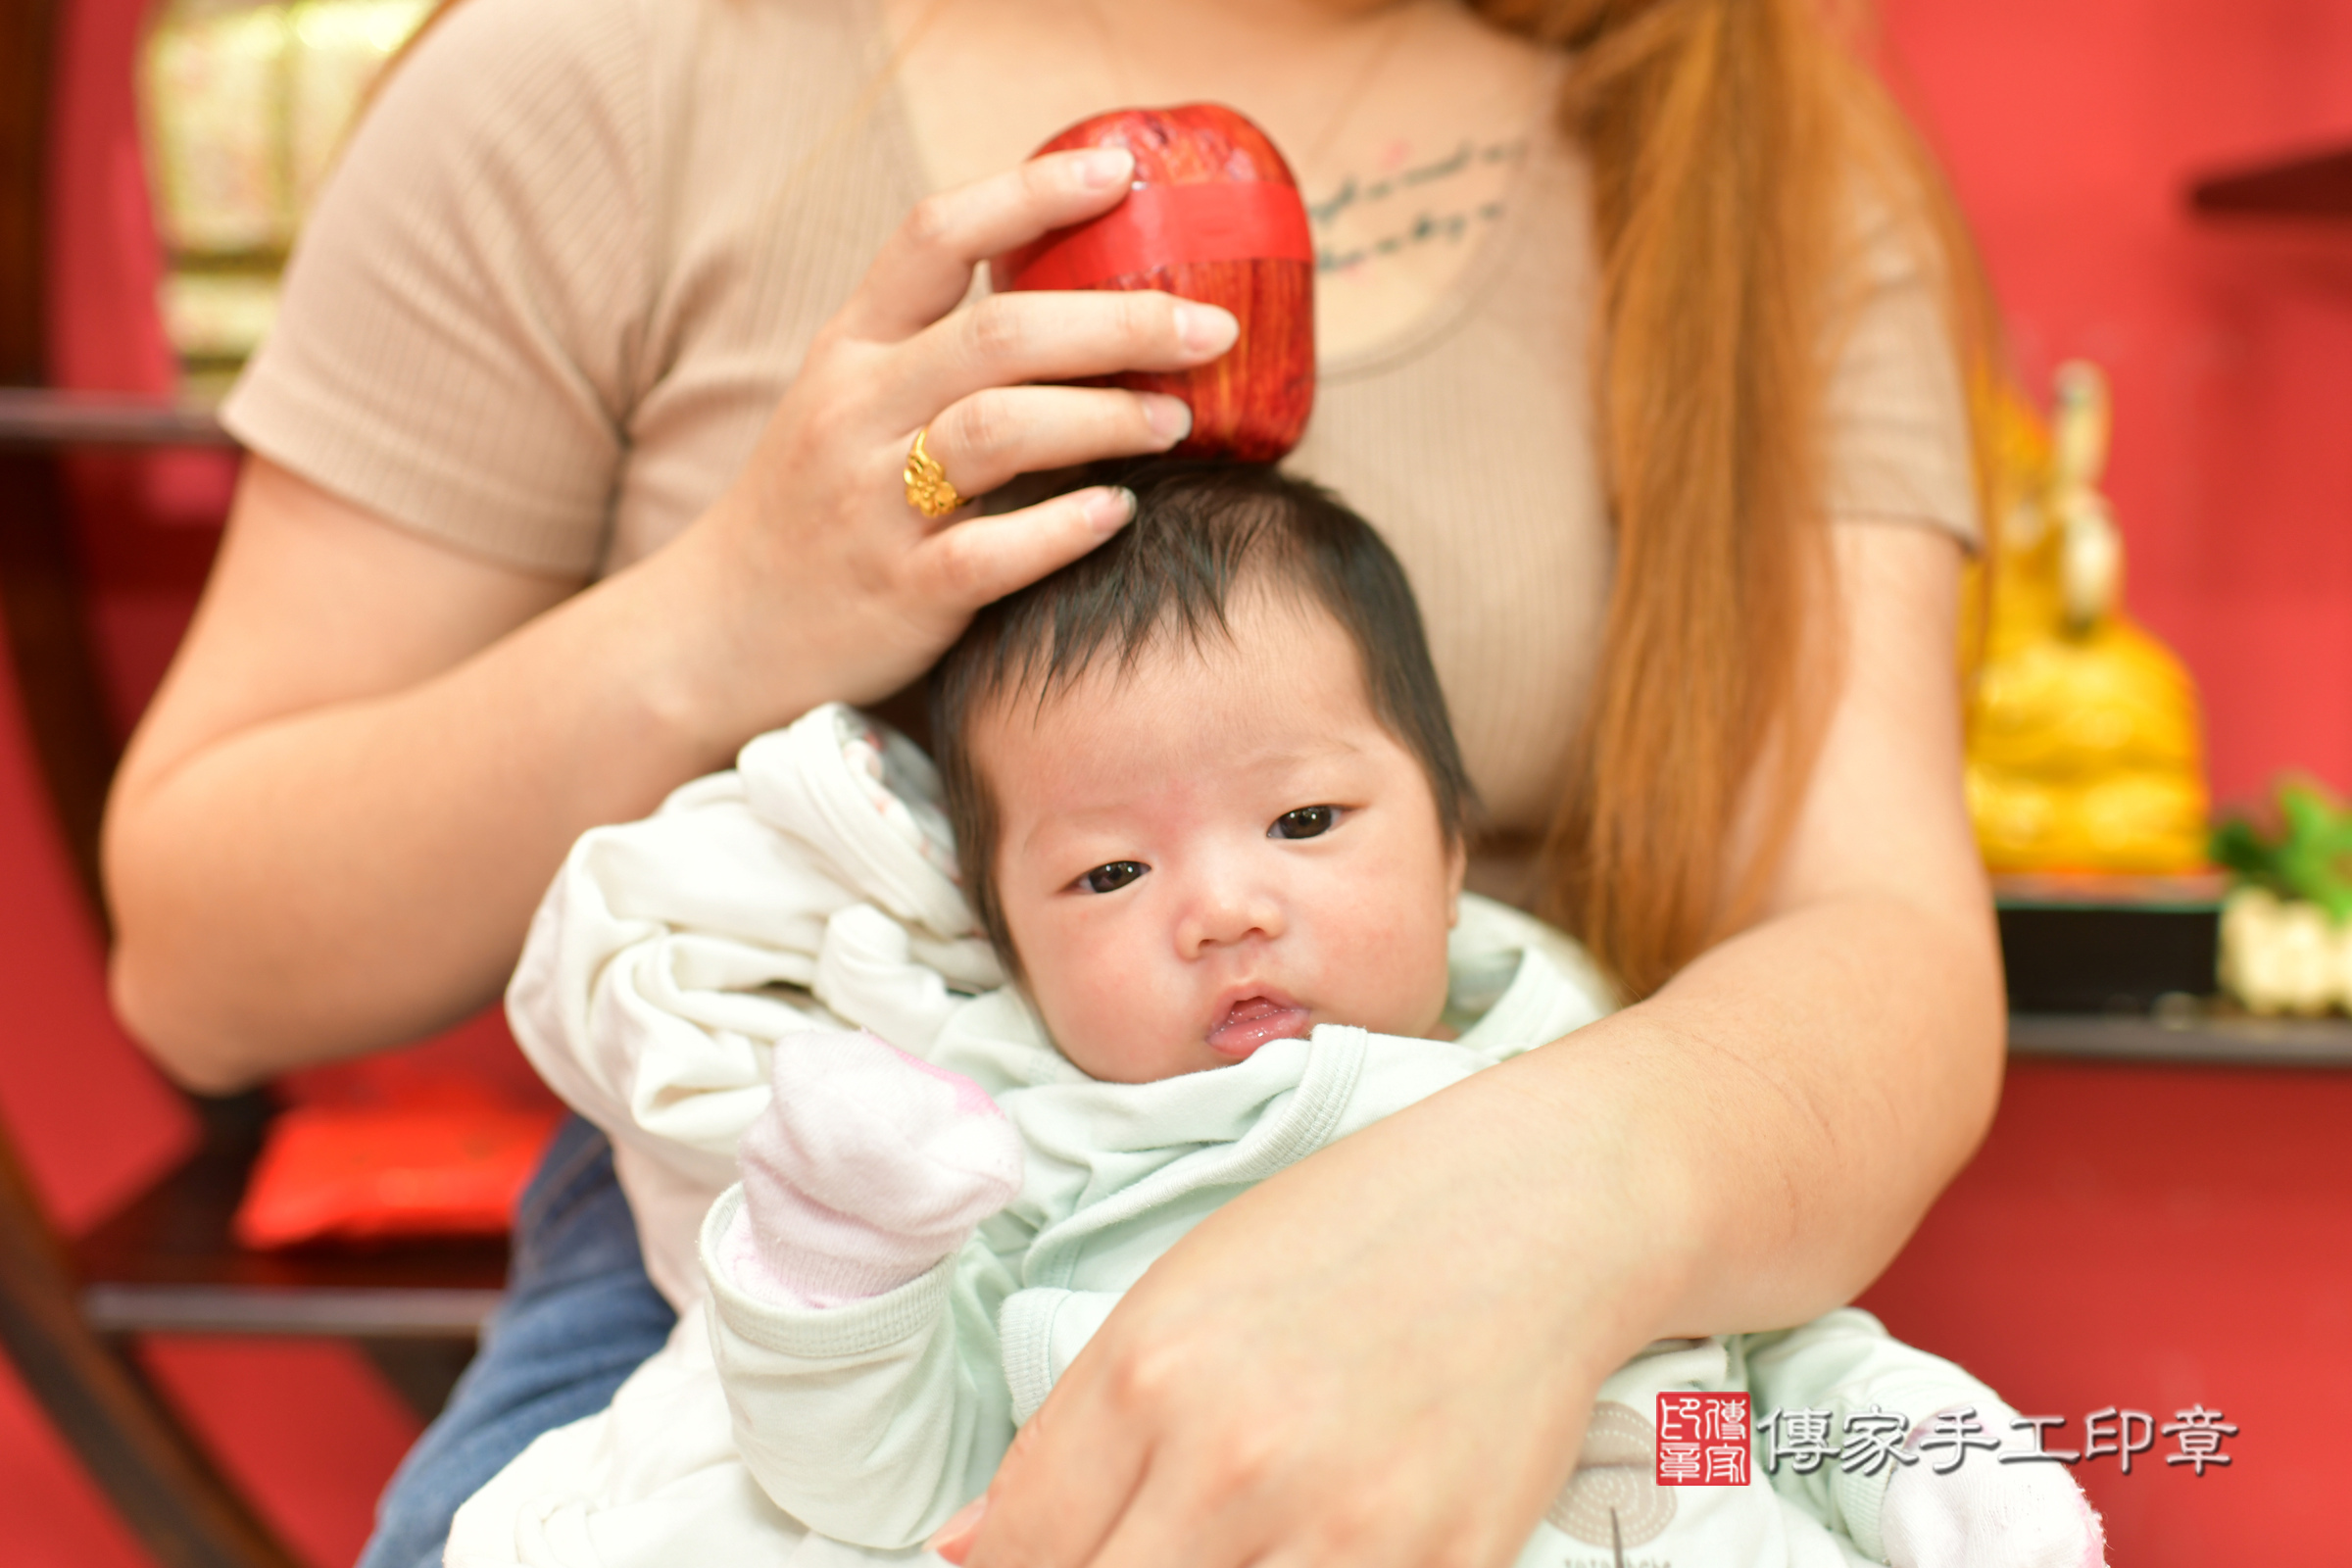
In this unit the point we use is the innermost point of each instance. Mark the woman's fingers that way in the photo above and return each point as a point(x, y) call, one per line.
point(954, 1539)
point(1008, 339)
point(1049, 1507)
point(1093, 1489)
point(987, 438)
point(981, 560)
point(1176, 1520)
point(925, 267)
point(820, 512)
point(1272, 1393)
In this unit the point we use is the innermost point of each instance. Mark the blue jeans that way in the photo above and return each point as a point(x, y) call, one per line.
point(578, 1317)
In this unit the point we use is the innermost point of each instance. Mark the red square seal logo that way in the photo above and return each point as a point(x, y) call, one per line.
point(1702, 1440)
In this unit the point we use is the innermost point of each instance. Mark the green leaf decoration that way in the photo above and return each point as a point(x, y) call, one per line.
point(2309, 857)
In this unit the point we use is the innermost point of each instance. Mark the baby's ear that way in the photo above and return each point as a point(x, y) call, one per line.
point(1458, 867)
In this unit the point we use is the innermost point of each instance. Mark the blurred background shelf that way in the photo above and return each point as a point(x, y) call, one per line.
point(2102, 946)
point(2190, 1037)
point(40, 419)
point(2122, 968)
point(2307, 185)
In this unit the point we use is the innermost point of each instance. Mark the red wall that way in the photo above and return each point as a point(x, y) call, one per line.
point(2070, 132)
point(2135, 1236)
point(2152, 1239)
point(307, 1428)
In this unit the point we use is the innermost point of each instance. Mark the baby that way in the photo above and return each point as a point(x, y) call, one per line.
point(1207, 811)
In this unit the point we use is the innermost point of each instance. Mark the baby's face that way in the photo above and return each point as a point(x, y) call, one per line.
point(1218, 847)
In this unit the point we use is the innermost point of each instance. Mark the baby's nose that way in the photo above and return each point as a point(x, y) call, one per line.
point(1223, 913)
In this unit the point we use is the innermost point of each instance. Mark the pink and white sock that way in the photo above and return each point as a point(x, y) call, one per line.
point(1986, 1514)
point(867, 1167)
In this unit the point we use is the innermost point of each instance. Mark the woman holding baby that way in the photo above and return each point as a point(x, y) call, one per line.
point(578, 461)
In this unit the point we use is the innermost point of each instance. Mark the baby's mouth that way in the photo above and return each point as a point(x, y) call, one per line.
point(1254, 1019)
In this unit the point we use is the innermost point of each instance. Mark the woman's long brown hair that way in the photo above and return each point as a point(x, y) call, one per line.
point(1738, 149)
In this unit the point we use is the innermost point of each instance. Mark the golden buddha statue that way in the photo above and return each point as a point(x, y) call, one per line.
point(2084, 750)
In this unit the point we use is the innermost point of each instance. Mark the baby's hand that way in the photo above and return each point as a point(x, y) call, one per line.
point(1984, 1514)
point(867, 1168)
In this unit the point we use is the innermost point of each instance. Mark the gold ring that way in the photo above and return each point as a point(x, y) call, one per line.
point(927, 489)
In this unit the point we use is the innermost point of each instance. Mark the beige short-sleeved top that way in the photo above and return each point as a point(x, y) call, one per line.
point(578, 249)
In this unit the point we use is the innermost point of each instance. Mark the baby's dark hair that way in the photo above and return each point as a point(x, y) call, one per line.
point(1199, 530)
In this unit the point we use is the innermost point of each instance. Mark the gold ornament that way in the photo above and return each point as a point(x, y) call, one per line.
point(927, 489)
point(2084, 750)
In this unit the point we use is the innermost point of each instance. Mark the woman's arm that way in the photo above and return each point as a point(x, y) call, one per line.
point(368, 755)
point(372, 749)
point(1386, 1354)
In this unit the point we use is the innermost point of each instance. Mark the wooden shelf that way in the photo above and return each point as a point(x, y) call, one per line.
point(2235, 1040)
point(2311, 185)
point(165, 1263)
point(37, 416)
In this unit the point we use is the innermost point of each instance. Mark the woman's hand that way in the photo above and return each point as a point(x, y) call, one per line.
point(1384, 1358)
point(373, 748)
point(844, 591)
point(1381, 1357)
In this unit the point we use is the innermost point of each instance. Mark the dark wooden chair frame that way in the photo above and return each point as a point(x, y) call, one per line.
point(70, 1311)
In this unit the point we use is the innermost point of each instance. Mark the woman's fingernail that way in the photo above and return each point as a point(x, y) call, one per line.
point(1171, 419)
point(1105, 167)
point(1207, 330)
point(1109, 511)
point(953, 1538)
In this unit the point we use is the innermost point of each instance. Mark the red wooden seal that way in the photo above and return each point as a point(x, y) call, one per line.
point(1213, 215)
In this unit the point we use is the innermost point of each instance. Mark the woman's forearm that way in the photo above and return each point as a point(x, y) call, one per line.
point(373, 749)
point(1791, 1105)
point(1432, 1300)
point(1795, 1098)
point(1388, 1352)
point(352, 871)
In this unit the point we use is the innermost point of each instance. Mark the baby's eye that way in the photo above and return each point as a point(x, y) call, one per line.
point(1112, 877)
point(1306, 822)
